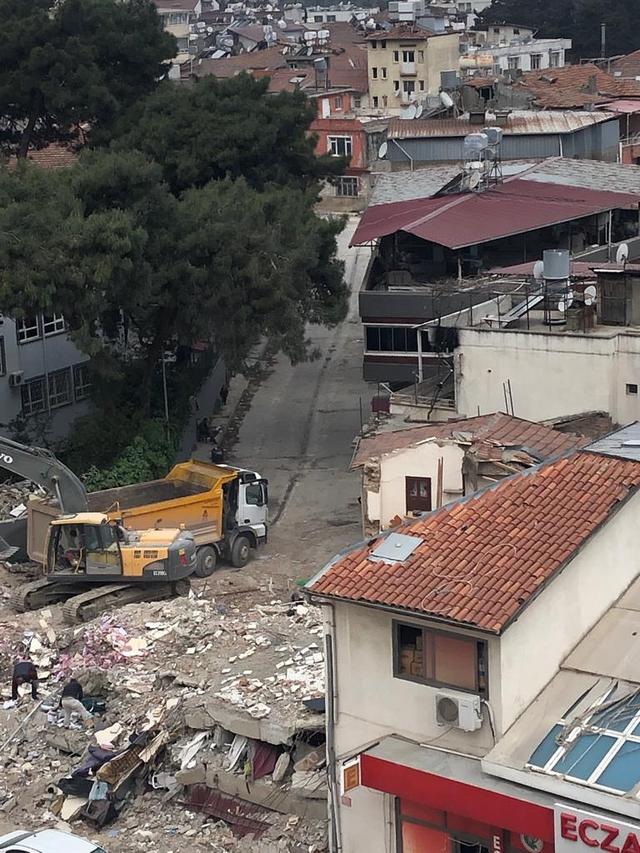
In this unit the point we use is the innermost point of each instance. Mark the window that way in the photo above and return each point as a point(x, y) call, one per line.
point(357, 102)
point(60, 388)
point(392, 339)
point(408, 87)
point(331, 19)
point(513, 62)
point(536, 61)
point(53, 325)
point(347, 186)
point(496, 31)
point(418, 494)
point(384, 100)
point(81, 381)
point(396, 56)
point(33, 397)
point(516, 31)
point(383, 45)
point(556, 60)
point(317, 19)
point(374, 44)
point(28, 329)
point(421, 56)
point(375, 102)
point(383, 73)
point(374, 73)
point(253, 494)
point(340, 146)
point(421, 85)
point(338, 103)
point(408, 56)
point(3, 359)
point(632, 388)
point(439, 658)
point(396, 85)
point(182, 45)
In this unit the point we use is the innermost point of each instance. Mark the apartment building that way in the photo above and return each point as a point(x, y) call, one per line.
point(42, 373)
point(177, 17)
point(483, 686)
point(405, 64)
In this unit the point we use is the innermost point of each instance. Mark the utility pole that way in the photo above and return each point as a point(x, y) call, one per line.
point(603, 40)
point(166, 399)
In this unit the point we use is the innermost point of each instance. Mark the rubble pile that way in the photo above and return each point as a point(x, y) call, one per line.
point(191, 676)
point(14, 498)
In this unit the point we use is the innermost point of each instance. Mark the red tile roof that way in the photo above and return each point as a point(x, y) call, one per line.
point(627, 66)
point(575, 86)
point(403, 32)
point(498, 429)
point(482, 559)
point(53, 156)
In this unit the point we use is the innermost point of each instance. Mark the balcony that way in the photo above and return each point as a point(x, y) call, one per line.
point(408, 69)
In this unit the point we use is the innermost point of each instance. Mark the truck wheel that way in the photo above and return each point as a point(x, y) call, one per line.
point(240, 552)
point(206, 561)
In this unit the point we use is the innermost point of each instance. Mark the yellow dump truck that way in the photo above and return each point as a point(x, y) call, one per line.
point(224, 508)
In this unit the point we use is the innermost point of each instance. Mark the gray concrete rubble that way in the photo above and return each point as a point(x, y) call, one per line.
point(217, 681)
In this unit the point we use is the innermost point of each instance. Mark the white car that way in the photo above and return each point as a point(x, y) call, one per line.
point(46, 841)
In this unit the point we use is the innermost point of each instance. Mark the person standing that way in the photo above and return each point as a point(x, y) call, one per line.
point(71, 701)
point(24, 672)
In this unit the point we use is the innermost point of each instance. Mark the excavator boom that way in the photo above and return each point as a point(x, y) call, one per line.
point(41, 467)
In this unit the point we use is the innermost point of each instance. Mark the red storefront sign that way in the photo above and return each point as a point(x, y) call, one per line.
point(577, 831)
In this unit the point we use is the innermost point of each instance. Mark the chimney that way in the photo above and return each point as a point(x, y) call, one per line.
point(591, 87)
point(477, 116)
point(502, 117)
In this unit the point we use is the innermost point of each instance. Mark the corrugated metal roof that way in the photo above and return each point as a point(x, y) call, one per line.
point(622, 105)
point(520, 123)
point(466, 219)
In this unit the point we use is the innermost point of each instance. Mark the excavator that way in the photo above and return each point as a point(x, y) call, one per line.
point(91, 562)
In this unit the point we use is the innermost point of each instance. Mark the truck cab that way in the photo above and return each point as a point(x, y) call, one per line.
point(253, 504)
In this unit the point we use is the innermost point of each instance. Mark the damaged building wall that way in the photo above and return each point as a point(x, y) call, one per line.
point(389, 499)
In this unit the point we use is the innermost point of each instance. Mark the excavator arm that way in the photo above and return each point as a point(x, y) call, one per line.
point(41, 467)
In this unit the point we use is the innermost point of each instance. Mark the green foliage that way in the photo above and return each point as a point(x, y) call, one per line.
point(219, 128)
point(576, 19)
point(148, 457)
point(65, 62)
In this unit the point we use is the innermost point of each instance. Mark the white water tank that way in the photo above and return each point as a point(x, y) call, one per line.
point(556, 264)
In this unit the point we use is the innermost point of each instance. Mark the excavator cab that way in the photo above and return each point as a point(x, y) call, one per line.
point(84, 544)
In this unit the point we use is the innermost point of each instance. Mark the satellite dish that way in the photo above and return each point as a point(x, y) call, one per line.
point(474, 180)
point(622, 255)
point(590, 295)
point(419, 110)
point(382, 151)
point(446, 100)
point(538, 270)
point(569, 299)
point(561, 306)
point(409, 112)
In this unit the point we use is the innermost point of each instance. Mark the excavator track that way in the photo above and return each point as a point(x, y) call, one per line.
point(41, 593)
point(87, 605)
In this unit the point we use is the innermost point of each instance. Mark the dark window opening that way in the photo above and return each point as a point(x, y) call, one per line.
point(632, 388)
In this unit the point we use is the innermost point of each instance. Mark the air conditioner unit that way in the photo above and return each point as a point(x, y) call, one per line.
point(16, 378)
point(459, 710)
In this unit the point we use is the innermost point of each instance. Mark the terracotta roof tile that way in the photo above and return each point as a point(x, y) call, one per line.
point(483, 558)
point(53, 156)
point(575, 86)
point(499, 430)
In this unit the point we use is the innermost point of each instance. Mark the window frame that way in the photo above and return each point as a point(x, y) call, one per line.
point(374, 72)
point(406, 52)
point(25, 388)
point(383, 72)
point(22, 329)
point(375, 102)
point(81, 390)
point(631, 388)
point(411, 479)
point(396, 624)
point(351, 181)
point(338, 103)
point(348, 146)
point(396, 56)
point(56, 321)
point(53, 397)
point(536, 61)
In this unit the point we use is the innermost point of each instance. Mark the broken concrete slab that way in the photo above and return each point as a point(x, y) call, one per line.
point(206, 712)
point(309, 785)
point(69, 741)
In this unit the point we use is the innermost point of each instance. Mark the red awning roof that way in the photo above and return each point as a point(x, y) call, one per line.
point(466, 219)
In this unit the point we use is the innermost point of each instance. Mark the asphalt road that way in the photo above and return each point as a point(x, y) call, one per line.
point(299, 433)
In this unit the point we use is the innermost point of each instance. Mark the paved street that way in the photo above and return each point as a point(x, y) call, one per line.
point(299, 434)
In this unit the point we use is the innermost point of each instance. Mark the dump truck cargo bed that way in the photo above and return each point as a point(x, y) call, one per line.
point(191, 495)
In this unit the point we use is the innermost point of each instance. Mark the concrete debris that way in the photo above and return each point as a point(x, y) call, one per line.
point(206, 679)
point(14, 498)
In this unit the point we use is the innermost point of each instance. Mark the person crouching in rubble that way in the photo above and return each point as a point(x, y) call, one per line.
point(24, 672)
point(71, 701)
